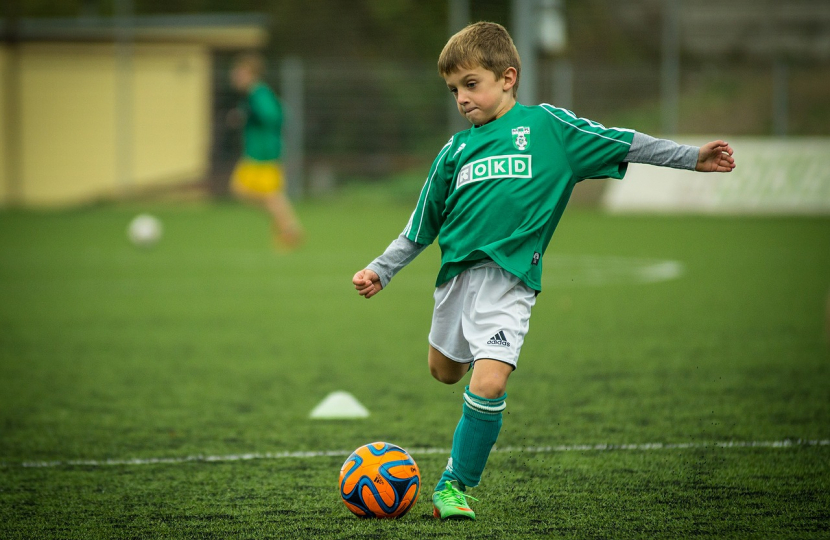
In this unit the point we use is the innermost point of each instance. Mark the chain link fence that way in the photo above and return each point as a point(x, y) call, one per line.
point(372, 120)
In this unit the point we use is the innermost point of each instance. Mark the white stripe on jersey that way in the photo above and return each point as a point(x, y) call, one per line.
point(594, 124)
point(427, 186)
point(409, 223)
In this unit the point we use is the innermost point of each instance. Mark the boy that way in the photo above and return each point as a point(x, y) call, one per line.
point(258, 176)
point(493, 198)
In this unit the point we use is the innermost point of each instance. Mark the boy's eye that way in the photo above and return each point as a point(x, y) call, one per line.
point(453, 91)
point(471, 84)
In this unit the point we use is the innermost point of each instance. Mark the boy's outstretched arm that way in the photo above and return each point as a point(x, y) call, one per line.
point(367, 283)
point(715, 156)
point(372, 279)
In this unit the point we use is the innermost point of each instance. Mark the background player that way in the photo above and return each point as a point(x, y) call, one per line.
point(258, 176)
point(493, 198)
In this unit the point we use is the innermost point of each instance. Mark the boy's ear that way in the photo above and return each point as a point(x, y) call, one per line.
point(509, 78)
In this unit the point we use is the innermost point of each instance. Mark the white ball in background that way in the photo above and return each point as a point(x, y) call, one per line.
point(144, 230)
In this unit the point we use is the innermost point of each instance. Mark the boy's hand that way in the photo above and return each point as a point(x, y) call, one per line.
point(715, 156)
point(367, 283)
point(235, 118)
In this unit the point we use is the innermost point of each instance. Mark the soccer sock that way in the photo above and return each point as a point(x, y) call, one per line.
point(474, 437)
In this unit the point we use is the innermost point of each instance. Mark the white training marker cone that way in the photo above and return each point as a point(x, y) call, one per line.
point(339, 405)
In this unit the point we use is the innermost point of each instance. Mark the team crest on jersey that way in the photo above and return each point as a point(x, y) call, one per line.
point(521, 137)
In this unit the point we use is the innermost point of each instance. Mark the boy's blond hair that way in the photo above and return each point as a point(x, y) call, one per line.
point(484, 44)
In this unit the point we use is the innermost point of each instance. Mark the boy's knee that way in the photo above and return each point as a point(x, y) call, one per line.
point(490, 389)
point(490, 378)
point(444, 369)
point(443, 376)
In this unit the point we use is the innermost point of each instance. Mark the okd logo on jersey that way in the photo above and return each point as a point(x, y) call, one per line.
point(516, 166)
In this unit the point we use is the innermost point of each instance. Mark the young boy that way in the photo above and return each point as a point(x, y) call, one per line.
point(493, 198)
point(258, 176)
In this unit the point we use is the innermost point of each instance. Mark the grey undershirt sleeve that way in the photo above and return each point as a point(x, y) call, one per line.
point(646, 149)
point(400, 252)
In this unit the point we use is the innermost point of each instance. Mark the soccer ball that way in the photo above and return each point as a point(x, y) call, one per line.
point(144, 230)
point(379, 480)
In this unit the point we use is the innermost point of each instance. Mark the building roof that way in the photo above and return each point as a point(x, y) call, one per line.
point(220, 31)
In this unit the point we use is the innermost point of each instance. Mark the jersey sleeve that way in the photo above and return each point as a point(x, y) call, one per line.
point(593, 150)
point(264, 107)
point(428, 216)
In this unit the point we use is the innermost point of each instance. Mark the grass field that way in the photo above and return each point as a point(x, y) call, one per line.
point(211, 344)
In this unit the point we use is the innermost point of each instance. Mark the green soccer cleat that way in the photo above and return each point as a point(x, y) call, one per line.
point(450, 503)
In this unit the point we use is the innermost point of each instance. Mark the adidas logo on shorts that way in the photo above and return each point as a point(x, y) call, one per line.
point(499, 339)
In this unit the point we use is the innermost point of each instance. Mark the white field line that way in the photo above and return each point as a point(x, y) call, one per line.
point(786, 443)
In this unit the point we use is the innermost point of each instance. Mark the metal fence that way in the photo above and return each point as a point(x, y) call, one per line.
point(369, 120)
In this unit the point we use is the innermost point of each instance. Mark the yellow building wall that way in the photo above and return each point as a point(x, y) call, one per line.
point(4, 181)
point(171, 114)
point(73, 103)
point(67, 117)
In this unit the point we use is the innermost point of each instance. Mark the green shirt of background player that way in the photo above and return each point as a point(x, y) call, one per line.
point(493, 198)
point(258, 176)
point(263, 112)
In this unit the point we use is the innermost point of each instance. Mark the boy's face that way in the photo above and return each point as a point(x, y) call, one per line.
point(479, 95)
point(242, 77)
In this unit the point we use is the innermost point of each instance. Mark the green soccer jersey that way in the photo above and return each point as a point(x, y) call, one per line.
point(263, 123)
point(499, 190)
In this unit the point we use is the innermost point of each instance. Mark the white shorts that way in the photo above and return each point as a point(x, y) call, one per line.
point(484, 312)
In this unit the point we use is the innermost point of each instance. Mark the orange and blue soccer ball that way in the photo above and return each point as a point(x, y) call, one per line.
point(379, 480)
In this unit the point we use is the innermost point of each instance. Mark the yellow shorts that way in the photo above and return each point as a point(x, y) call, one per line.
point(257, 177)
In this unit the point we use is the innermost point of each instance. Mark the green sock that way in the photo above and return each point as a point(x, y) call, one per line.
point(474, 436)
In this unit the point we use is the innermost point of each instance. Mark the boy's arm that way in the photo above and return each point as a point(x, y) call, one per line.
point(424, 224)
point(400, 252)
point(379, 273)
point(715, 156)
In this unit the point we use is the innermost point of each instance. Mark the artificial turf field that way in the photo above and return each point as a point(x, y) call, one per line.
point(213, 345)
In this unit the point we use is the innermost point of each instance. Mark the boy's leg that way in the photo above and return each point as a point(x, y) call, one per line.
point(474, 437)
point(285, 220)
point(444, 369)
point(489, 378)
point(485, 312)
point(480, 423)
point(261, 183)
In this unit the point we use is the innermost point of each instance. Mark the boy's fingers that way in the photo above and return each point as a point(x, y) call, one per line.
point(367, 283)
point(726, 164)
point(361, 279)
point(719, 146)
